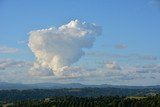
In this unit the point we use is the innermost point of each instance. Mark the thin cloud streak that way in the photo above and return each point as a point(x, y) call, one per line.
point(7, 50)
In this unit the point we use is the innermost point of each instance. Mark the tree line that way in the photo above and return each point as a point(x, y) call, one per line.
point(101, 101)
point(7, 96)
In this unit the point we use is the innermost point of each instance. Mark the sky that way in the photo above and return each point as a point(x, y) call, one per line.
point(80, 41)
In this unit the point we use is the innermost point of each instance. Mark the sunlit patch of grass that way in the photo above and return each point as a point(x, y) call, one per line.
point(74, 90)
point(136, 97)
point(8, 104)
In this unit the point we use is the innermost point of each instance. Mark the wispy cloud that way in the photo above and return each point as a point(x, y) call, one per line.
point(8, 63)
point(112, 66)
point(21, 42)
point(7, 50)
point(124, 56)
point(121, 46)
point(116, 46)
point(154, 3)
point(157, 2)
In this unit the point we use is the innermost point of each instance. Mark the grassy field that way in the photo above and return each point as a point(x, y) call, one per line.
point(8, 104)
point(135, 97)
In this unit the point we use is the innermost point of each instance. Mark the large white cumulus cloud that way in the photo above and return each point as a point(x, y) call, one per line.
point(58, 48)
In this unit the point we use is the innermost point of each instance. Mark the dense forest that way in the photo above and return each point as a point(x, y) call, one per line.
point(33, 94)
point(81, 97)
point(101, 101)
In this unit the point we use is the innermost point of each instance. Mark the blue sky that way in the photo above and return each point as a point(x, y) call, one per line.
point(130, 36)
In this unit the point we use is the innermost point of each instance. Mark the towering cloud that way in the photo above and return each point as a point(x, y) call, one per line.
point(58, 48)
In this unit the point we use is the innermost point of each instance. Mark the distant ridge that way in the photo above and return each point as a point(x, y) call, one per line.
point(9, 86)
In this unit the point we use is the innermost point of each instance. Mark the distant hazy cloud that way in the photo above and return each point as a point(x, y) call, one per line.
point(113, 66)
point(17, 71)
point(149, 68)
point(7, 50)
point(58, 48)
